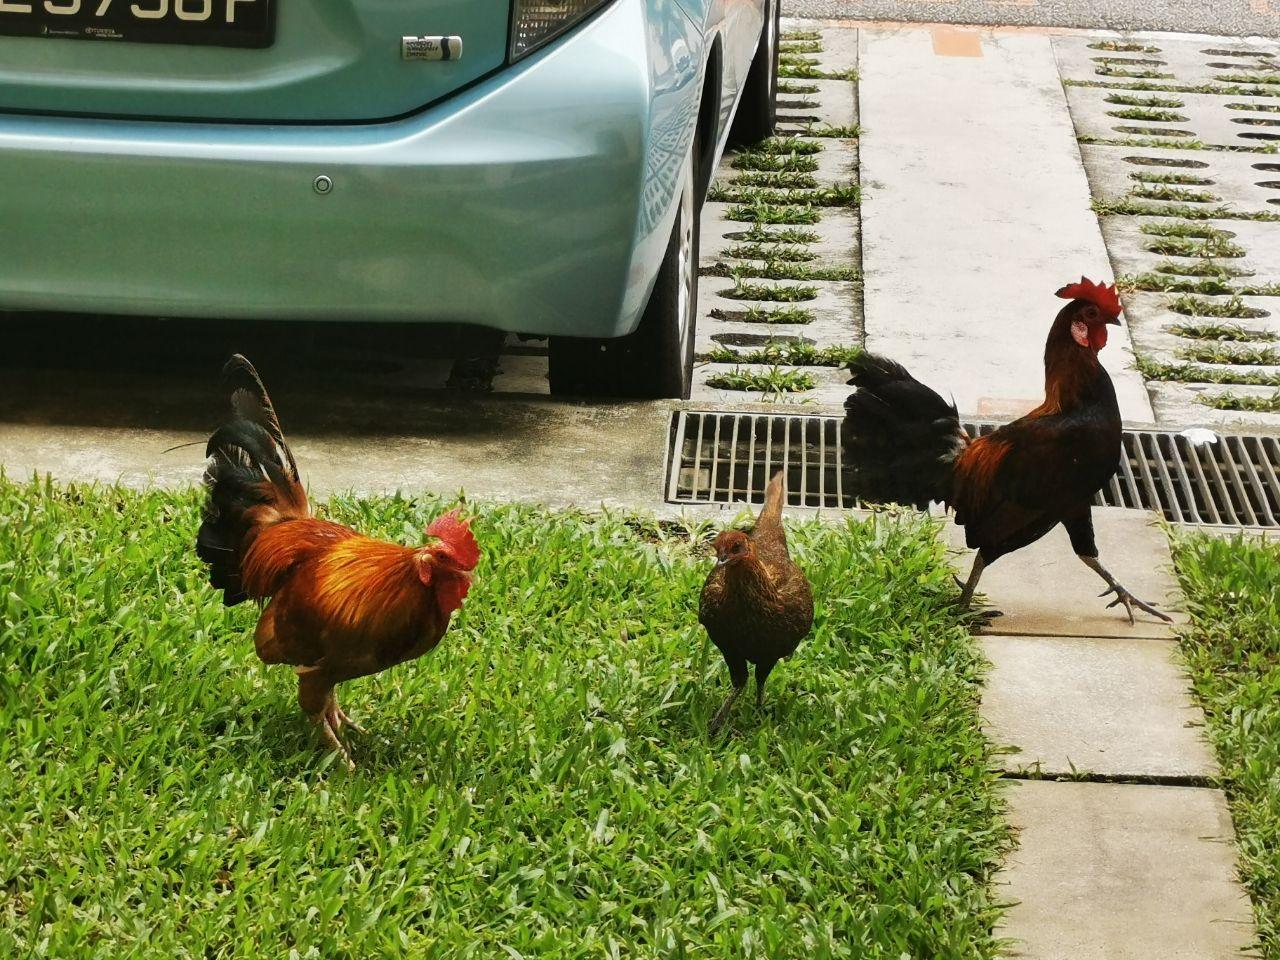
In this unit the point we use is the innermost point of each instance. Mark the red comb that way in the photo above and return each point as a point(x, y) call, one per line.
point(456, 532)
point(1099, 294)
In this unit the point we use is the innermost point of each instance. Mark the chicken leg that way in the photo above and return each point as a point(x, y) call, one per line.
point(738, 674)
point(315, 696)
point(1123, 596)
point(969, 586)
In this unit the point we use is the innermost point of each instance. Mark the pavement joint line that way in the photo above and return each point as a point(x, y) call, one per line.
point(1137, 779)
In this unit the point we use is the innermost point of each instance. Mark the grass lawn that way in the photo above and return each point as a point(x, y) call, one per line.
point(1233, 651)
point(541, 786)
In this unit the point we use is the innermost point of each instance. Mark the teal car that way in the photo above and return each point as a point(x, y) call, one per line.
point(533, 166)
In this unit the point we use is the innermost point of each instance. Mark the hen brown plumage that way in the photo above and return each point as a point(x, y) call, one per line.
point(757, 605)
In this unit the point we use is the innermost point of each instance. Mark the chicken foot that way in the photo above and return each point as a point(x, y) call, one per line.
point(1123, 596)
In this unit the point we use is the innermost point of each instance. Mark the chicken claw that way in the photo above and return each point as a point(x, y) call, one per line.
point(337, 717)
point(331, 735)
point(1123, 596)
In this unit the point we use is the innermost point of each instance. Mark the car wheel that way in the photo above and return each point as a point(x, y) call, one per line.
point(757, 115)
point(656, 361)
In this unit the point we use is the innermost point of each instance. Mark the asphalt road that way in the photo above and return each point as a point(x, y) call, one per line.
point(1221, 17)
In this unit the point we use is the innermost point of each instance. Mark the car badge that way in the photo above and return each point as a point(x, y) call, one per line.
point(431, 48)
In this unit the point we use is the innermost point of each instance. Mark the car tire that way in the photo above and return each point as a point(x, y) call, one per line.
point(656, 361)
point(757, 115)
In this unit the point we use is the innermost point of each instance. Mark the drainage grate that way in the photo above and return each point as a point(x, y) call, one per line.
point(729, 457)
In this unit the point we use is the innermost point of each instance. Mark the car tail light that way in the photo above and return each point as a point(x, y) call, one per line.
point(539, 21)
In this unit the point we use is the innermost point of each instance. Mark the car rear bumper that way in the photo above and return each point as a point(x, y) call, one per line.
point(538, 201)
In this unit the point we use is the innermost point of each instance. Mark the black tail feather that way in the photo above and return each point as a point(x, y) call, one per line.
point(899, 438)
point(250, 477)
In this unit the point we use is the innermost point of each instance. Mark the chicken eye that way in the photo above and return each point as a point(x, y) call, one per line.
point(1092, 314)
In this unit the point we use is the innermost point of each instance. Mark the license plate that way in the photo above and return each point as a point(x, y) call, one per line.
point(219, 23)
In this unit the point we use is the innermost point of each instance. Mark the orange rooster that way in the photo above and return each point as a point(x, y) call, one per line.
point(339, 605)
point(904, 444)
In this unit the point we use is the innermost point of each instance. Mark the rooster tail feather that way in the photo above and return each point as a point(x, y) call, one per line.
point(899, 438)
point(251, 481)
point(768, 526)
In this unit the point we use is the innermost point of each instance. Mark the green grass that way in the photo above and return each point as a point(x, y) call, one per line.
point(800, 46)
point(789, 352)
point(1192, 373)
point(841, 195)
point(772, 382)
point(773, 213)
point(790, 35)
point(1148, 113)
point(781, 315)
point(788, 145)
point(771, 252)
point(542, 785)
point(1263, 79)
point(1246, 403)
point(1232, 652)
point(1227, 332)
point(1234, 308)
point(1255, 107)
point(1237, 354)
point(1155, 102)
point(776, 179)
point(758, 234)
point(773, 294)
point(781, 269)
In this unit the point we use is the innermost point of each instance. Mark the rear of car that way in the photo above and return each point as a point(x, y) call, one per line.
point(451, 161)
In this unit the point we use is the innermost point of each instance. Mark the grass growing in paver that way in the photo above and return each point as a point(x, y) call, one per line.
point(1188, 179)
point(774, 294)
point(781, 269)
point(1232, 651)
point(790, 87)
point(758, 234)
point(833, 132)
point(780, 315)
point(770, 252)
point(1154, 102)
point(773, 213)
point(1207, 249)
point(1158, 143)
point(776, 179)
point(1109, 70)
point(1245, 403)
point(1129, 207)
point(800, 46)
point(774, 381)
point(1232, 308)
point(1222, 332)
point(1121, 46)
point(789, 35)
point(540, 785)
point(840, 195)
point(775, 162)
point(1193, 373)
point(1227, 90)
point(1262, 79)
point(1239, 354)
point(1209, 286)
point(1203, 231)
point(790, 353)
point(1148, 113)
point(1220, 271)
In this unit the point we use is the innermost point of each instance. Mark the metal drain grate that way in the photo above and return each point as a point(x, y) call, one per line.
point(729, 457)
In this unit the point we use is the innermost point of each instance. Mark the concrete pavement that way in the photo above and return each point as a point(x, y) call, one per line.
point(1240, 18)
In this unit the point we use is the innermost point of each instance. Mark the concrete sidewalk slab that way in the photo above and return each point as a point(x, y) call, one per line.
point(978, 210)
point(1107, 707)
point(1122, 872)
point(1044, 589)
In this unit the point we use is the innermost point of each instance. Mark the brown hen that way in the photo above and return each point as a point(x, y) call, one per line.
point(757, 605)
